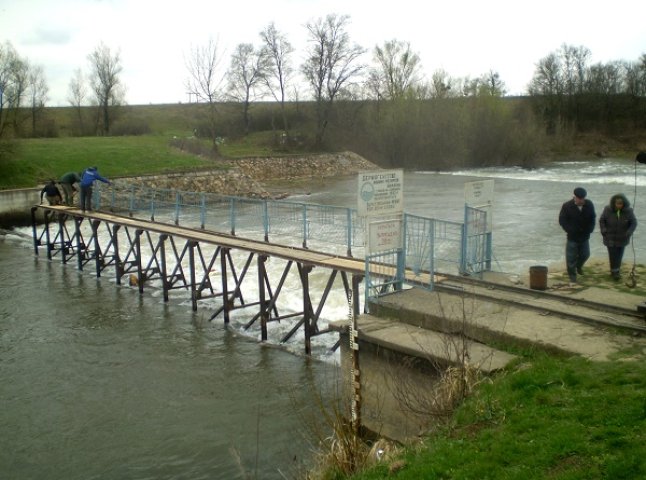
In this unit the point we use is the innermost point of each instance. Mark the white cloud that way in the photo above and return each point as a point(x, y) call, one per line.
point(466, 38)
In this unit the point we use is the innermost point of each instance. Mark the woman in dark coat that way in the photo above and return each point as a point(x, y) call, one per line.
point(617, 224)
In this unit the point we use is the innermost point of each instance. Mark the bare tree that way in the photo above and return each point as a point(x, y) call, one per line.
point(205, 82)
point(76, 96)
point(606, 78)
point(279, 70)
point(547, 79)
point(247, 70)
point(635, 79)
point(574, 64)
point(104, 79)
point(442, 85)
point(37, 95)
point(492, 85)
point(331, 65)
point(397, 70)
point(14, 81)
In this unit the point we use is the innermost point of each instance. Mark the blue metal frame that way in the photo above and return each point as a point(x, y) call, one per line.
point(428, 243)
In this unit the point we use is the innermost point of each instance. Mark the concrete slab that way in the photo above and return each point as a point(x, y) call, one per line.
point(438, 347)
point(487, 321)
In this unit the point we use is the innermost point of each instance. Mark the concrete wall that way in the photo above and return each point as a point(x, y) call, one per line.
point(18, 200)
point(388, 380)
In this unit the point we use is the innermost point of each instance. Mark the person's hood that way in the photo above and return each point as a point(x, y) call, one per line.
point(615, 197)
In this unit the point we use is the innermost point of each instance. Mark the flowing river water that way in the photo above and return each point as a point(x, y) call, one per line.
point(99, 382)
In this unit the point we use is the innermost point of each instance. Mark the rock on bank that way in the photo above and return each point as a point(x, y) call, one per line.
point(246, 177)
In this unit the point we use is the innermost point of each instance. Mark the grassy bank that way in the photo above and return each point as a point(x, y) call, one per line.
point(548, 418)
point(36, 160)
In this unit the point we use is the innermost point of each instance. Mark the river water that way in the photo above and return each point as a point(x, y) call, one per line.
point(99, 382)
point(526, 205)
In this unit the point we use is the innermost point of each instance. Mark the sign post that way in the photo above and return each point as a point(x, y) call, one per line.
point(381, 204)
point(381, 193)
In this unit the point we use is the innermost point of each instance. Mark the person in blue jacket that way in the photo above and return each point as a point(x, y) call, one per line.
point(577, 218)
point(90, 175)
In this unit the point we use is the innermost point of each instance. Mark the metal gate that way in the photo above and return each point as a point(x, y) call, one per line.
point(476, 257)
point(384, 273)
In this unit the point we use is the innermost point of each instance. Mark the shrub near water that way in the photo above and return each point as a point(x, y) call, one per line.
point(554, 418)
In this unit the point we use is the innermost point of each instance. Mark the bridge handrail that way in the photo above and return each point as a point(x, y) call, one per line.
point(428, 242)
point(342, 226)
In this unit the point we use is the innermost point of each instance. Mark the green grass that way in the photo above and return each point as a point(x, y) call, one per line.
point(551, 418)
point(597, 274)
point(36, 160)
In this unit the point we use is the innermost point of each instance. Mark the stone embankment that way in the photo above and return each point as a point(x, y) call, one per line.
point(246, 177)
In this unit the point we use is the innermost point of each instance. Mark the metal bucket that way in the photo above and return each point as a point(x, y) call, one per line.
point(538, 277)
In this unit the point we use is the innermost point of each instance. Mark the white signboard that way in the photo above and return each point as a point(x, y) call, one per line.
point(381, 192)
point(479, 194)
point(384, 235)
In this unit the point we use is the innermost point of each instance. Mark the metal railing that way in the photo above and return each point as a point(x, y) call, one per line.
point(429, 244)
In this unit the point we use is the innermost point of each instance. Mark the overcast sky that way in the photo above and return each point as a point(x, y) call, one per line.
point(462, 37)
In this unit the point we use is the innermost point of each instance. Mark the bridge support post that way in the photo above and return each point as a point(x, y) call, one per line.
point(140, 274)
point(264, 312)
point(191, 257)
point(118, 267)
point(224, 253)
point(162, 261)
point(34, 230)
point(47, 237)
point(80, 249)
point(61, 233)
point(98, 256)
point(307, 307)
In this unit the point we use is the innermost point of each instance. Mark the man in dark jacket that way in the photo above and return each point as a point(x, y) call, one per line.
point(67, 181)
point(51, 192)
point(577, 218)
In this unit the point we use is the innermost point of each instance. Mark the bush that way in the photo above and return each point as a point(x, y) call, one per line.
point(123, 128)
point(193, 145)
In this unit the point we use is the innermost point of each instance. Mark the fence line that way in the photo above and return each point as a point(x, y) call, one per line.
point(428, 244)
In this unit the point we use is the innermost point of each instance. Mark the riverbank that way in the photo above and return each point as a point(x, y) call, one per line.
point(253, 177)
point(256, 177)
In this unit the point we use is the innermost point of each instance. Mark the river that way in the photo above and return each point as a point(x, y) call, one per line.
point(99, 382)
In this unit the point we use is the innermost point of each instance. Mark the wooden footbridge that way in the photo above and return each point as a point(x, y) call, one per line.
point(203, 263)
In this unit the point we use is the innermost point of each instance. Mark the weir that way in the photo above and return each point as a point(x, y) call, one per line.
point(203, 263)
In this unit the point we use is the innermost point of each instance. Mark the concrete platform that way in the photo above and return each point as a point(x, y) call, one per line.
point(438, 347)
point(413, 334)
point(488, 322)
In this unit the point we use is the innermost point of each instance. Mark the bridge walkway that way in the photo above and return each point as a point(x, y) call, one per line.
point(149, 250)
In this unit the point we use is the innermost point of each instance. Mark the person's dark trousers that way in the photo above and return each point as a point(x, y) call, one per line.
point(615, 256)
point(86, 198)
point(576, 254)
